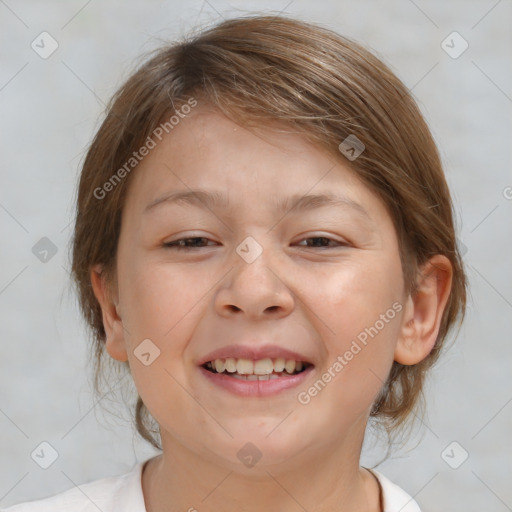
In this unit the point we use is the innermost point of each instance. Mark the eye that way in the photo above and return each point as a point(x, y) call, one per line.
point(319, 241)
point(198, 242)
point(186, 243)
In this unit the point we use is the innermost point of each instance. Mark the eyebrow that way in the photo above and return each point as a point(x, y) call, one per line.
point(214, 199)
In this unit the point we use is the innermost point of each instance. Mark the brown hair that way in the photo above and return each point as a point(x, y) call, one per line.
point(262, 68)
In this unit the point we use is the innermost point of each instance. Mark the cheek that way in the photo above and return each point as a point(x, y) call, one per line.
point(161, 304)
point(157, 295)
point(355, 295)
point(360, 313)
point(359, 316)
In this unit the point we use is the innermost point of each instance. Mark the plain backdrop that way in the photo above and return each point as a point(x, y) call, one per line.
point(49, 110)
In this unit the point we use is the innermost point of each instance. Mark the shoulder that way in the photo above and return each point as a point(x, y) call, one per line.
point(395, 499)
point(122, 492)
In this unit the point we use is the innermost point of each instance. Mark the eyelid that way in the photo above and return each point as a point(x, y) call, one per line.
point(341, 243)
point(174, 244)
point(321, 234)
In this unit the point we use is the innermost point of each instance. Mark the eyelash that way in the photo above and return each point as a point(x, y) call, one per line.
point(174, 243)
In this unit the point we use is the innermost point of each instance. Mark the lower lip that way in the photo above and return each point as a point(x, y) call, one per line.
point(256, 387)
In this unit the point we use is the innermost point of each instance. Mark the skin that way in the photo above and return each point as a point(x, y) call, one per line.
point(314, 300)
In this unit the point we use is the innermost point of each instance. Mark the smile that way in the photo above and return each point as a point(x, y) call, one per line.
point(263, 377)
point(262, 369)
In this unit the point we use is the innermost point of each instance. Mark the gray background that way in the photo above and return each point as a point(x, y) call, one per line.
point(49, 111)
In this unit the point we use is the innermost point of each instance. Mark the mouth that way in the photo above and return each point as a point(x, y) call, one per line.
point(261, 378)
point(261, 369)
point(256, 370)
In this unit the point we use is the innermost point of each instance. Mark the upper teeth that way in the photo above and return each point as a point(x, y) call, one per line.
point(259, 367)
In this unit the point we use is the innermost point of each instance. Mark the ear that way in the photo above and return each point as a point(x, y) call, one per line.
point(424, 310)
point(112, 322)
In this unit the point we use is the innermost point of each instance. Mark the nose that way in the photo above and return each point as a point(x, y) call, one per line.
point(256, 290)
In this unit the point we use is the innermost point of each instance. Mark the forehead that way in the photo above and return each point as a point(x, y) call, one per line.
point(267, 162)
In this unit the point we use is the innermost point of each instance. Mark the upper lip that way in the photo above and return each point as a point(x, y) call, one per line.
point(253, 353)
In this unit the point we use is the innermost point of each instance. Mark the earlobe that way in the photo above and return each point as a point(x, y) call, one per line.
point(112, 321)
point(423, 311)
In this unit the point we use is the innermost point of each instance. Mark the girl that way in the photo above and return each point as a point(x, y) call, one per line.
point(264, 239)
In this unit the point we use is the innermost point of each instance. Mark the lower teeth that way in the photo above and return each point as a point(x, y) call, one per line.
point(254, 377)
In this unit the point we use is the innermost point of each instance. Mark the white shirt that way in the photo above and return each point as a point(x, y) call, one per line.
point(123, 493)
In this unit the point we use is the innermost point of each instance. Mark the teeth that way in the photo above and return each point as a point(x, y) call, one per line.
point(230, 365)
point(243, 366)
point(290, 366)
point(272, 376)
point(262, 369)
point(279, 364)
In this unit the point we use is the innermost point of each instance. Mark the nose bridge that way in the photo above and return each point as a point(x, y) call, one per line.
point(258, 261)
point(255, 285)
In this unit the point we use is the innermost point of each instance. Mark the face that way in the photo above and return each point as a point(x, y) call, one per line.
point(263, 272)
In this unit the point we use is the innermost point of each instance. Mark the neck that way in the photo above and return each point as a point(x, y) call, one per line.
point(314, 480)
